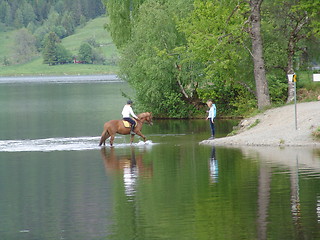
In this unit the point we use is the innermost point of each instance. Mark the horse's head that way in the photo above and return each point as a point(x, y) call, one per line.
point(147, 117)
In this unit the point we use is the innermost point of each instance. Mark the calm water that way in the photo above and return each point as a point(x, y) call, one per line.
point(56, 183)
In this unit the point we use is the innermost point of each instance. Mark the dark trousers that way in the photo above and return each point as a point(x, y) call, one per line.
point(211, 126)
point(130, 120)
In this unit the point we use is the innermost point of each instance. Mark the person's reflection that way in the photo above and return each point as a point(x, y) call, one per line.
point(318, 208)
point(213, 165)
point(129, 165)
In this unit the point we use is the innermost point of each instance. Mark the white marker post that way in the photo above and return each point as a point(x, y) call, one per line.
point(293, 78)
point(316, 78)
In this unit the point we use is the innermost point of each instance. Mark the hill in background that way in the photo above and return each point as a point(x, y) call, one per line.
point(93, 32)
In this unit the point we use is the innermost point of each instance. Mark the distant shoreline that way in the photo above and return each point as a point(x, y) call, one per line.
point(62, 79)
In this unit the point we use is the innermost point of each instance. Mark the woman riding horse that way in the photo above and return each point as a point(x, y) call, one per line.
point(126, 112)
point(116, 126)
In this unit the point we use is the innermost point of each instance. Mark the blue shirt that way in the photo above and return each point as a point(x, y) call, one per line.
point(212, 112)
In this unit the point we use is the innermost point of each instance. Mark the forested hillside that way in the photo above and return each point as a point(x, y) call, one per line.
point(40, 25)
point(33, 13)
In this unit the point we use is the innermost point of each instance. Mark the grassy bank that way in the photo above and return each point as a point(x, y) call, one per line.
point(35, 68)
point(93, 30)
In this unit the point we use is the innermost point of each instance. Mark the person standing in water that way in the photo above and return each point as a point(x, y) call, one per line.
point(126, 113)
point(211, 116)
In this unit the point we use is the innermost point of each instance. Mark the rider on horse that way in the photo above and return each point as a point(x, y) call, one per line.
point(126, 112)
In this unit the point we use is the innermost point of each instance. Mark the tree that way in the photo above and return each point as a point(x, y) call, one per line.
point(148, 61)
point(295, 21)
point(8, 17)
point(63, 55)
point(262, 89)
point(18, 19)
point(85, 53)
point(50, 49)
point(68, 23)
point(3, 11)
point(121, 16)
point(25, 47)
point(28, 14)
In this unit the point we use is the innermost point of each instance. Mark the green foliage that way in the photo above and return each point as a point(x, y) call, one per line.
point(256, 122)
point(316, 133)
point(63, 55)
point(53, 52)
point(50, 49)
point(85, 53)
point(120, 24)
point(25, 48)
point(173, 106)
point(19, 13)
point(231, 99)
point(104, 53)
point(148, 61)
point(278, 87)
point(216, 45)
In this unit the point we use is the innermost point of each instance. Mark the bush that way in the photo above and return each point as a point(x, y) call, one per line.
point(316, 134)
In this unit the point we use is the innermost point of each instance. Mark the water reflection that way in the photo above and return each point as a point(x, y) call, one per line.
point(129, 165)
point(318, 208)
point(213, 164)
point(296, 163)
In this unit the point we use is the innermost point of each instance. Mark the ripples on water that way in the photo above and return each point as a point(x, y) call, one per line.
point(61, 144)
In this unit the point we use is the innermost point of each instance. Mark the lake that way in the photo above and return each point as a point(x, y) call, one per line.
point(57, 183)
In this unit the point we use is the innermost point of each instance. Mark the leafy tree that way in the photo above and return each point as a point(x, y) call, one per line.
point(85, 53)
point(40, 34)
point(25, 47)
point(121, 16)
point(63, 55)
point(149, 62)
point(222, 49)
point(293, 22)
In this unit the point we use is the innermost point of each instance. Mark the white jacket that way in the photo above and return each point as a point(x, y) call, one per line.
point(127, 111)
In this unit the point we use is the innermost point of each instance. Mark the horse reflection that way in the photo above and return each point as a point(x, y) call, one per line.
point(131, 166)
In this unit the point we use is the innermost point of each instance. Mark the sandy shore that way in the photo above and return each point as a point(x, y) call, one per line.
point(276, 127)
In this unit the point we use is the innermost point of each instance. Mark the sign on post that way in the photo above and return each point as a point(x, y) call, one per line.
point(316, 77)
point(290, 77)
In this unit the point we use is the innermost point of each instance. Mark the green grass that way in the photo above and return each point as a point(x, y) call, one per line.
point(36, 67)
point(93, 29)
point(7, 44)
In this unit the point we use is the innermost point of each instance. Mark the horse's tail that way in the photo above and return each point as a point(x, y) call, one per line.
point(104, 136)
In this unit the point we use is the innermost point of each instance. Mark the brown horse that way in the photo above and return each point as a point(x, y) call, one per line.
point(116, 126)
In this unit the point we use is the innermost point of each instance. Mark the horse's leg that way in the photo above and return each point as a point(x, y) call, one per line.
point(131, 139)
point(141, 135)
point(103, 138)
point(111, 140)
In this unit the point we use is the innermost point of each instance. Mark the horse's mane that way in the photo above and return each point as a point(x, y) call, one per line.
point(144, 115)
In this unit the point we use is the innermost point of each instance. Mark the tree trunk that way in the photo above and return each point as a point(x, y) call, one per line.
point(263, 201)
point(262, 88)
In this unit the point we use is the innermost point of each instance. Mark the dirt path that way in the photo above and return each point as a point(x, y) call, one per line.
point(276, 127)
